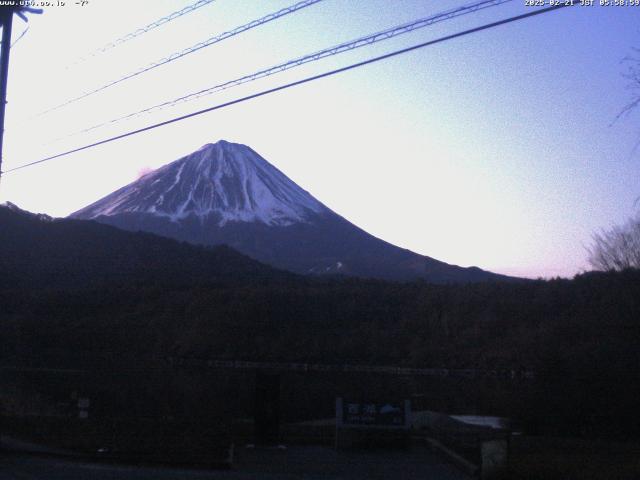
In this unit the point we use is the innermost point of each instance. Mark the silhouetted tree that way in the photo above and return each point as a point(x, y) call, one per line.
point(633, 76)
point(617, 248)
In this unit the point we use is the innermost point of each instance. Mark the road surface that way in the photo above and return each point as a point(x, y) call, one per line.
point(308, 463)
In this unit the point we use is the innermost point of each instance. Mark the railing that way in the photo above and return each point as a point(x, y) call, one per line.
point(319, 367)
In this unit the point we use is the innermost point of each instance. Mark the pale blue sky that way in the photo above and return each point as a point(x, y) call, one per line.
point(493, 150)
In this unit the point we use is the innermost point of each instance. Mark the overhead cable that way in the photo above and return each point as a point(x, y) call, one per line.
point(296, 83)
point(136, 33)
point(194, 48)
point(327, 52)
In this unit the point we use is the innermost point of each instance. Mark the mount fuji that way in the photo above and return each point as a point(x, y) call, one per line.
point(225, 193)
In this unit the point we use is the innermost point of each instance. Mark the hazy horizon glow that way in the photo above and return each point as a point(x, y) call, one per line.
point(495, 150)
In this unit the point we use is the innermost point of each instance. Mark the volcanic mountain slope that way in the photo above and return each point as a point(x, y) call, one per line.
point(43, 252)
point(225, 193)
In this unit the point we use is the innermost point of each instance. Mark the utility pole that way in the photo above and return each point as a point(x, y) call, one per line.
point(7, 21)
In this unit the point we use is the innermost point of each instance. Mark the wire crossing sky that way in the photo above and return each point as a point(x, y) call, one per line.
point(147, 28)
point(289, 85)
point(493, 149)
point(200, 45)
point(334, 50)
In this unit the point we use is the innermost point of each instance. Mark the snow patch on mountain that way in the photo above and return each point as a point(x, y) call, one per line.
point(225, 180)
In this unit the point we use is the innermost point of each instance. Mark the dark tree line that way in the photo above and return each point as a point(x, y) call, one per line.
point(140, 299)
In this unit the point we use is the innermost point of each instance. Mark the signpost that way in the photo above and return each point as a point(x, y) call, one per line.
point(360, 421)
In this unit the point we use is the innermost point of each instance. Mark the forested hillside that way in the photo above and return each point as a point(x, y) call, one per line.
point(65, 302)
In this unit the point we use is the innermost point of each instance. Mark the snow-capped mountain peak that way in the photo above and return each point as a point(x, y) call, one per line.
point(224, 181)
point(225, 193)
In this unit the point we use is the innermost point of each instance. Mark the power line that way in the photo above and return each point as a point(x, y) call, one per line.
point(22, 34)
point(327, 52)
point(19, 37)
point(198, 46)
point(130, 36)
point(296, 83)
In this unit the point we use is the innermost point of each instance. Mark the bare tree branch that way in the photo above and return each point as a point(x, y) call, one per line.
point(617, 248)
point(633, 75)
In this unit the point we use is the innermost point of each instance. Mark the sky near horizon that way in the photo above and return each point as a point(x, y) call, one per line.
point(498, 149)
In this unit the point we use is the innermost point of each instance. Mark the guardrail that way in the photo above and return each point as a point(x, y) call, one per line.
point(318, 367)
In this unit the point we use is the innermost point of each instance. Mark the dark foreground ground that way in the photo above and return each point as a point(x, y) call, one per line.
point(309, 463)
